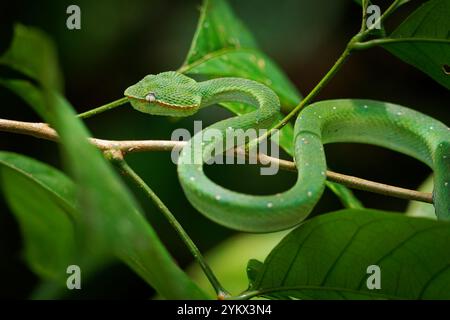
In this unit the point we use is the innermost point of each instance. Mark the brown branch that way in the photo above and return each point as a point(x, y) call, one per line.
point(43, 131)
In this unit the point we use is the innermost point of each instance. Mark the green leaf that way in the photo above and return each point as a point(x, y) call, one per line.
point(423, 40)
point(110, 219)
point(254, 268)
point(224, 47)
point(45, 213)
point(33, 53)
point(327, 258)
point(423, 209)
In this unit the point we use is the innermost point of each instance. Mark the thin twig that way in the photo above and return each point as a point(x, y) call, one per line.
point(43, 131)
point(101, 109)
point(128, 172)
point(354, 41)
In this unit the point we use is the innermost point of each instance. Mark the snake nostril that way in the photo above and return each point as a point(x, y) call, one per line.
point(446, 69)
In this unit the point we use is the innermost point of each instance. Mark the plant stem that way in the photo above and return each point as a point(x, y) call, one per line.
point(127, 171)
point(313, 93)
point(390, 10)
point(354, 43)
point(106, 107)
point(43, 131)
point(364, 15)
point(378, 42)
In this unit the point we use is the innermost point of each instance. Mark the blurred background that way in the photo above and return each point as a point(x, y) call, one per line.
point(122, 41)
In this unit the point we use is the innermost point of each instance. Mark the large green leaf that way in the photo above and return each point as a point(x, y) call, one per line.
point(327, 258)
point(110, 221)
point(33, 54)
point(45, 213)
point(423, 40)
point(224, 47)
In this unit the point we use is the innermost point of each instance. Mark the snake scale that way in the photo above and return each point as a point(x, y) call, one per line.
point(362, 121)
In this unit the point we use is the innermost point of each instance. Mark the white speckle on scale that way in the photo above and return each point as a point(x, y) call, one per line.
point(218, 197)
point(261, 63)
point(365, 106)
point(309, 194)
point(446, 184)
point(192, 178)
point(269, 205)
point(399, 113)
point(322, 173)
point(334, 108)
point(431, 128)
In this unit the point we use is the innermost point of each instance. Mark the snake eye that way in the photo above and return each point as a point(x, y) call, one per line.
point(150, 97)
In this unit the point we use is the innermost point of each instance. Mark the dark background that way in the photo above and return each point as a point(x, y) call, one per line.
point(122, 41)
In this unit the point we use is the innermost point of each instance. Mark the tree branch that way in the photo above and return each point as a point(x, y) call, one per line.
point(43, 131)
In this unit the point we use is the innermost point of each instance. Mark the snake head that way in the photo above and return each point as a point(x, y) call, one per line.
point(167, 94)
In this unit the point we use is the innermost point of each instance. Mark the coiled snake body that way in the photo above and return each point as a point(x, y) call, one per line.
point(363, 121)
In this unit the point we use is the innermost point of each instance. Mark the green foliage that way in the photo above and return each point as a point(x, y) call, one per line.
point(110, 221)
point(224, 47)
point(33, 54)
point(45, 212)
point(426, 40)
point(327, 258)
point(89, 217)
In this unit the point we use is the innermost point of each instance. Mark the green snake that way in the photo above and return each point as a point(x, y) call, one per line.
point(362, 121)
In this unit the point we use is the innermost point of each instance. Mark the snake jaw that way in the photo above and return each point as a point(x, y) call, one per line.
point(163, 104)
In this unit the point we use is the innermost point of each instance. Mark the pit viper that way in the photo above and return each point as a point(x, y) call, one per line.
point(347, 120)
